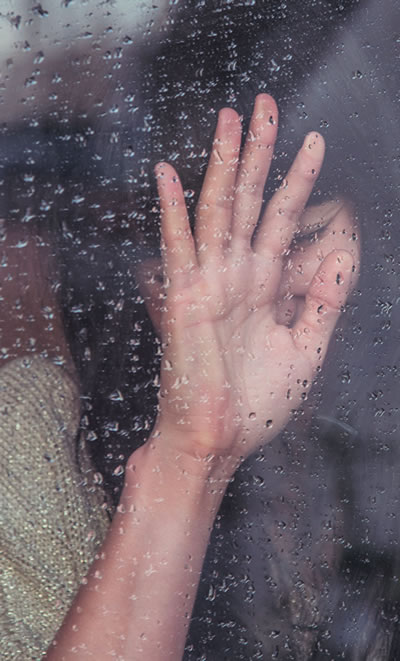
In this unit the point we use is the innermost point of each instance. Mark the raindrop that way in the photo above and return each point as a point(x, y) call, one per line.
point(252, 416)
point(345, 376)
point(274, 66)
point(47, 312)
point(98, 478)
point(212, 593)
point(16, 21)
point(39, 11)
point(129, 152)
point(30, 81)
point(21, 244)
point(116, 396)
point(28, 177)
point(218, 156)
point(112, 426)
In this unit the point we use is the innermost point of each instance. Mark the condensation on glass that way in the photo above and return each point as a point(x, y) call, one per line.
point(304, 557)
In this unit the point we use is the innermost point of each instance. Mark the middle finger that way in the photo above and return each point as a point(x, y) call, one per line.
point(254, 168)
point(214, 210)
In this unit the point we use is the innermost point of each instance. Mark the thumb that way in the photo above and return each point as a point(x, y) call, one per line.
point(324, 302)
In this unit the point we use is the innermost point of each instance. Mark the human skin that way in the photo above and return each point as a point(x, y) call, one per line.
point(231, 375)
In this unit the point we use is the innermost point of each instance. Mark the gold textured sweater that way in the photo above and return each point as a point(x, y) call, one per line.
point(52, 518)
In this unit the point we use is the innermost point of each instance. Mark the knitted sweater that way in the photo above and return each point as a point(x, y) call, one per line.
point(52, 517)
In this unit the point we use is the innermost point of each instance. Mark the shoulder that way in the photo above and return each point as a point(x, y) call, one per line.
point(39, 422)
point(35, 391)
point(52, 518)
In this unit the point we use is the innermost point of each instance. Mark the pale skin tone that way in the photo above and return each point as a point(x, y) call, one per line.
point(239, 355)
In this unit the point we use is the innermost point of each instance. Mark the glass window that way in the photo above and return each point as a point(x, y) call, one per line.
point(303, 559)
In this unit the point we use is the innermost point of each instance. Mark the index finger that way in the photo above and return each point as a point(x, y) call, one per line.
point(178, 249)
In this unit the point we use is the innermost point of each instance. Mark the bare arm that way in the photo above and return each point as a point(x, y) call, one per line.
point(140, 591)
point(230, 377)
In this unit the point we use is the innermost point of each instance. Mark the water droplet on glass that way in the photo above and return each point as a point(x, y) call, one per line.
point(116, 396)
point(345, 376)
point(98, 478)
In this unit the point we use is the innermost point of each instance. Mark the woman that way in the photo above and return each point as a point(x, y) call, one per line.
point(237, 360)
point(232, 371)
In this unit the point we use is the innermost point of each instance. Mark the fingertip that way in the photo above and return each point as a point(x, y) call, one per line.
point(345, 268)
point(315, 143)
point(265, 106)
point(160, 172)
point(167, 177)
point(159, 167)
point(342, 259)
point(228, 116)
point(333, 280)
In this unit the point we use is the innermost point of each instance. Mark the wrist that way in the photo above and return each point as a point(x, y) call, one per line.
point(202, 458)
point(169, 473)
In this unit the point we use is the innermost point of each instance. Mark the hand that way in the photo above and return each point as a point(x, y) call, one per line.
point(322, 228)
point(231, 374)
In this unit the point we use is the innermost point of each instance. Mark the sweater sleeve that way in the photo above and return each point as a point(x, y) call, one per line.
point(52, 516)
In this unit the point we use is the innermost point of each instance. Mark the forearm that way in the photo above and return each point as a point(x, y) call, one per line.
point(138, 596)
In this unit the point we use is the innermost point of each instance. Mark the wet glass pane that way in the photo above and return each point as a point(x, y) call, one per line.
point(303, 560)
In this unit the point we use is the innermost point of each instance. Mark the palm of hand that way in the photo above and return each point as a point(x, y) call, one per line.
point(230, 373)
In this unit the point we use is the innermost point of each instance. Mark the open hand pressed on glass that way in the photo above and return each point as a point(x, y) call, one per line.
point(231, 372)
